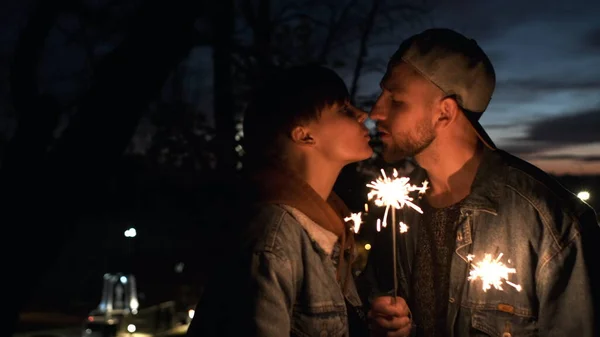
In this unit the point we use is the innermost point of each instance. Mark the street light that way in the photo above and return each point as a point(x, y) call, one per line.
point(584, 195)
point(130, 233)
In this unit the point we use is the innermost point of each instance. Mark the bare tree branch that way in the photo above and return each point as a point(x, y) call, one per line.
point(334, 28)
point(362, 52)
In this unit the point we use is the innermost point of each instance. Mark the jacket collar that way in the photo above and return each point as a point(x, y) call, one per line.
point(487, 185)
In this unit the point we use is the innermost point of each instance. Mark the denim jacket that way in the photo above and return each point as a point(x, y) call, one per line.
point(287, 286)
point(545, 232)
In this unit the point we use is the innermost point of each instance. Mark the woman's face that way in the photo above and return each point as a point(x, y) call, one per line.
point(340, 134)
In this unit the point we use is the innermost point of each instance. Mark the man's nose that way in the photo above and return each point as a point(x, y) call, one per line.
point(377, 111)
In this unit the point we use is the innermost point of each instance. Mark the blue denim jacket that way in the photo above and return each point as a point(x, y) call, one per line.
point(286, 285)
point(545, 232)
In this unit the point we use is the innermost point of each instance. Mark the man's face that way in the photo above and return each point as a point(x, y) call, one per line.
point(404, 113)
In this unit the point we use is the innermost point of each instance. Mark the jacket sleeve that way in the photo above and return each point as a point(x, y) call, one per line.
point(268, 305)
point(254, 298)
point(568, 284)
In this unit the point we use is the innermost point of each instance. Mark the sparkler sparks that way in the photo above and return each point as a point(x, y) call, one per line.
point(393, 192)
point(491, 272)
point(357, 219)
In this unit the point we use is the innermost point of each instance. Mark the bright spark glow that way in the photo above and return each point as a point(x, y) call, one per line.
point(393, 192)
point(403, 227)
point(491, 272)
point(584, 195)
point(356, 218)
point(378, 225)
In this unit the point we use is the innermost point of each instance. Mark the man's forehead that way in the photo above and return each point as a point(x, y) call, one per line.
point(399, 77)
point(393, 81)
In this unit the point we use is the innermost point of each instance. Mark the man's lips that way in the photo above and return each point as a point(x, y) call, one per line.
point(382, 132)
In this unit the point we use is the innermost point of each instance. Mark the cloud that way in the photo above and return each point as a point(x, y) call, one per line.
point(532, 89)
point(524, 148)
point(591, 40)
point(499, 126)
point(584, 158)
point(579, 128)
point(544, 85)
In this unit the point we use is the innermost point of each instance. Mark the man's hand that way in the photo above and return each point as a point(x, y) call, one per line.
point(387, 319)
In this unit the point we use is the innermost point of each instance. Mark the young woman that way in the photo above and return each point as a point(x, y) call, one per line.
point(289, 271)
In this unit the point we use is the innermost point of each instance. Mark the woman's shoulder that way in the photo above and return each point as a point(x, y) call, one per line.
point(273, 228)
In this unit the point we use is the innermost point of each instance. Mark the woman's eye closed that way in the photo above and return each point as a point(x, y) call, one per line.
point(347, 111)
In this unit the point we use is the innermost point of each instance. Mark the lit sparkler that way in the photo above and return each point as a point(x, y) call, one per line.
point(356, 218)
point(393, 192)
point(491, 272)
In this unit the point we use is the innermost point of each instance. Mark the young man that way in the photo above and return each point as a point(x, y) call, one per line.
point(288, 272)
point(481, 201)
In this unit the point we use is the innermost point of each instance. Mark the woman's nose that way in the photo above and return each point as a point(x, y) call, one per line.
point(360, 114)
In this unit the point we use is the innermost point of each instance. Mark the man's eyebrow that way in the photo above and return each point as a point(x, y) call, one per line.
point(387, 87)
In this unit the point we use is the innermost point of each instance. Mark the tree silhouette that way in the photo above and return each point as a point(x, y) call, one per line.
point(48, 181)
point(161, 35)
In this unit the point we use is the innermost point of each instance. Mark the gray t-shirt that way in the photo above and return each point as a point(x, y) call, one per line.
point(431, 271)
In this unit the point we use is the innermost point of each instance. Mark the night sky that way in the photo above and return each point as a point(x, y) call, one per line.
point(546, 107)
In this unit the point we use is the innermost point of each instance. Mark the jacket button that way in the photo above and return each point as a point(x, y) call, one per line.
point(506, 334)
point(451, 300)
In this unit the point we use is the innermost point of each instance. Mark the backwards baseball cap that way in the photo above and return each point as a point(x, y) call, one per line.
point(456, 65)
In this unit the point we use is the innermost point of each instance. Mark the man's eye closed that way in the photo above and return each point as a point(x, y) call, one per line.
point(397, 103)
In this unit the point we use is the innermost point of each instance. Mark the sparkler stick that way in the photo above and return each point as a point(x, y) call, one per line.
point(394, 254)
point(393, 193)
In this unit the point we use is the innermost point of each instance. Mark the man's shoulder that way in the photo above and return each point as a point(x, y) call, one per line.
point(539, 188)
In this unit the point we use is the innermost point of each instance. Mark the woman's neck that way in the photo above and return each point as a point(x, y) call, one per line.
point(320, 175)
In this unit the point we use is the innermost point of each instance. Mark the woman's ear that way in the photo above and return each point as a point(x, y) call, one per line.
point(301, 135)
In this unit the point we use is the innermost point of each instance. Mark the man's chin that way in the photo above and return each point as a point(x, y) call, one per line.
point(393, 157)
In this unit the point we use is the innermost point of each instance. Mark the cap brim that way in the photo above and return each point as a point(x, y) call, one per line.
point(473, 117)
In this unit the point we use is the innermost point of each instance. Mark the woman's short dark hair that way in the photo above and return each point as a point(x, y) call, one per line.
point(286, 99)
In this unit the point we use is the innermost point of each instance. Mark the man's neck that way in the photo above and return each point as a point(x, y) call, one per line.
point(451, 174)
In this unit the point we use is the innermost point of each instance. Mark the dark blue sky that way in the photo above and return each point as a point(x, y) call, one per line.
point(546, 107)
point(547, 58)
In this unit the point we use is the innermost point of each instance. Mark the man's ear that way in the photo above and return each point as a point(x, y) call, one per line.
point(448, 110)
point(301, 135)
